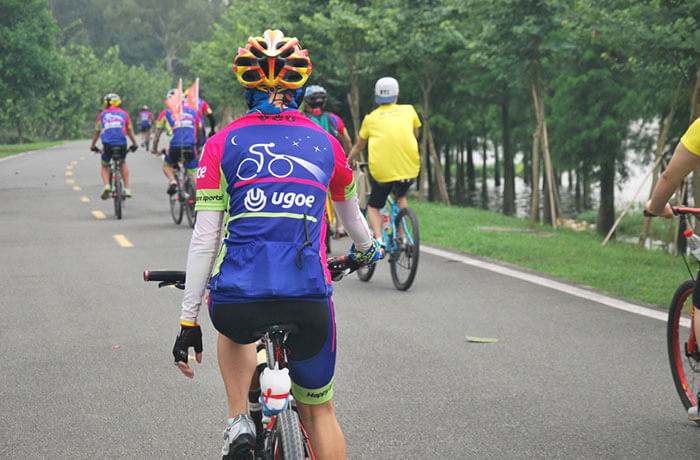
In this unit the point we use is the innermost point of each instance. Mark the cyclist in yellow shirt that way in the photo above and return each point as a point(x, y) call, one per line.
point(391, 130)
point(686, 157)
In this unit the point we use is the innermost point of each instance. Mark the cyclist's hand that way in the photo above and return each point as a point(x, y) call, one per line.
point(341, 266)
point(94, 149)
point(372, 256)
point(190, 336)
point(133, 147)
point(667, 212)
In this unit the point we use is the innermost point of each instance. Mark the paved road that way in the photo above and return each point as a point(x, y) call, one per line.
point(87, 373)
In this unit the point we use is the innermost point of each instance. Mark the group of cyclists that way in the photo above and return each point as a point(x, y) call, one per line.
point(262, 185)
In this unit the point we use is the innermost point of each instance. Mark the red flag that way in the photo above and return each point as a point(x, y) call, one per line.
point(193, 96)
point(174, 103)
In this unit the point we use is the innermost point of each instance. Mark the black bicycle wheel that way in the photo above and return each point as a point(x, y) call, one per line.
point(189, 199)
point(685, 364)
point(117, 192)
point(176, 205)
point(404, 260)
point(365, 272)
point(289, 440)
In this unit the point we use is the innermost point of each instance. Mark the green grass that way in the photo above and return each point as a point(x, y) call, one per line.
point(13, 149)
point(618, 269)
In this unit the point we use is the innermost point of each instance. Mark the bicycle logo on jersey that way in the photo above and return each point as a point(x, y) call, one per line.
point(278, 164)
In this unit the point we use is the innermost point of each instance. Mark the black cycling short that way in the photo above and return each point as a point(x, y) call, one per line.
point(311, 358)
point(381, 190)
point(187, 153)
point(144, 128)
point(237, 321)
point(112, 150)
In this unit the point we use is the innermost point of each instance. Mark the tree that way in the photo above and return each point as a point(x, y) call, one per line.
point(29, 66)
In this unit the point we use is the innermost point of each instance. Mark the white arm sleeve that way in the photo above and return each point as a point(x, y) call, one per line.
point(354, 223)
point(200, 261)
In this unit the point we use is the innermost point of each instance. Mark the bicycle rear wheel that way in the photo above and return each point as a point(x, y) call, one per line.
point(176, 205)
point(404, 260)
point(289, 440)
point(682, 352)
point(189, 201)
point(117, 192)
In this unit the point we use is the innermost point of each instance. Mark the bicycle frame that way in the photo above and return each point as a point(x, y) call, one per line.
point(391, 241)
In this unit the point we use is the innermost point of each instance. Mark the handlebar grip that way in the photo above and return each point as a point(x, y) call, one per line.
point(169, 276)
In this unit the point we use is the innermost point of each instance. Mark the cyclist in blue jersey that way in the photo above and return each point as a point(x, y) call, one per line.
point(146, 119)
point(113, 126)
point(183, 143)
point(264, 179)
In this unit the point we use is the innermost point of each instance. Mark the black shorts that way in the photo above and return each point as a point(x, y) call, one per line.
point(112, 150)
point(144, 128)
point(312, 350)
point(381, 190)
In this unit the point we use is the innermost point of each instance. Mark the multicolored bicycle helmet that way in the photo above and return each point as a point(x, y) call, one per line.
point(112, 99)
point(272, 62)
point(315, 96)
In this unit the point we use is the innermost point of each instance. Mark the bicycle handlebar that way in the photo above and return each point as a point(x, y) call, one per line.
point(339, 266)
point(677, 211)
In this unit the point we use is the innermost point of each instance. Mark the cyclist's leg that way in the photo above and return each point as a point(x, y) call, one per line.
point(237, 363)
point(376, 201)
point(312, 372)
point(190, 160)
point(171, 156)
point(104, 170)
point(125, 168)
point(400, 190)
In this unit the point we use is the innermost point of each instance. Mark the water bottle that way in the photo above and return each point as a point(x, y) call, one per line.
point(693, 243)
point(274, 386)
point(386, 222)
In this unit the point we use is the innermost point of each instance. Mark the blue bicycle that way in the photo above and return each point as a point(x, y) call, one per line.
point(402, 239)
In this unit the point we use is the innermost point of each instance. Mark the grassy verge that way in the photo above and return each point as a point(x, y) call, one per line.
point(618, 269)
point(13, 149)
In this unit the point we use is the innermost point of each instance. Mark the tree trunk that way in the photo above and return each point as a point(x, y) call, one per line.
point(606, 212)
point(423, 145)
point(484, 177)
point(448, 166)
point(459, 180)
point(19, 130)
point(471, 174)
point(496, 167)
point(508, 167)
point(664, 127)
point(538, 99)
point(439, 178)
point(535, 177)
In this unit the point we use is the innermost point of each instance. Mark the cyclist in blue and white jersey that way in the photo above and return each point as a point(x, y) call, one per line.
point(264, 179)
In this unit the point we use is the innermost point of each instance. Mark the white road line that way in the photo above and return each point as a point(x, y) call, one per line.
point(566, 288)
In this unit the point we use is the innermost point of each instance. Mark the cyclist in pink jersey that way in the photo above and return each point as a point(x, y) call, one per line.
point(264, 178)
point(113, 126)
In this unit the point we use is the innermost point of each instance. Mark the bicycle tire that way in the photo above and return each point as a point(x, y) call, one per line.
point(685, 369)
point(289, 440)
point(366, 272)
point(404, 260)
point(175, 200)
point(190, 199)
point(118, 192)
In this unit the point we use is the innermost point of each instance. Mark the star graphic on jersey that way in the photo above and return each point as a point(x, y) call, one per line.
point(316, 148)
point(295, 144)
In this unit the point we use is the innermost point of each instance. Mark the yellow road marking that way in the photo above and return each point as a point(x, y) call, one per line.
point(77, 188)
point(74, 162)
point(84, 199)
point(99, 214)
point(123, 242)
point(69, 167)
point(69, 173)
point(82, 158)
point(70, 181)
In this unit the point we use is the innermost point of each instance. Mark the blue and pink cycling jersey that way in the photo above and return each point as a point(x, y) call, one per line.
point(271, 174)
point(113, 123)
point(146, 118)
point(184, 133)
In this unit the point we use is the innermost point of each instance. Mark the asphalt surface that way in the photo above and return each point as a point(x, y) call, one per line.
point(87, 372)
